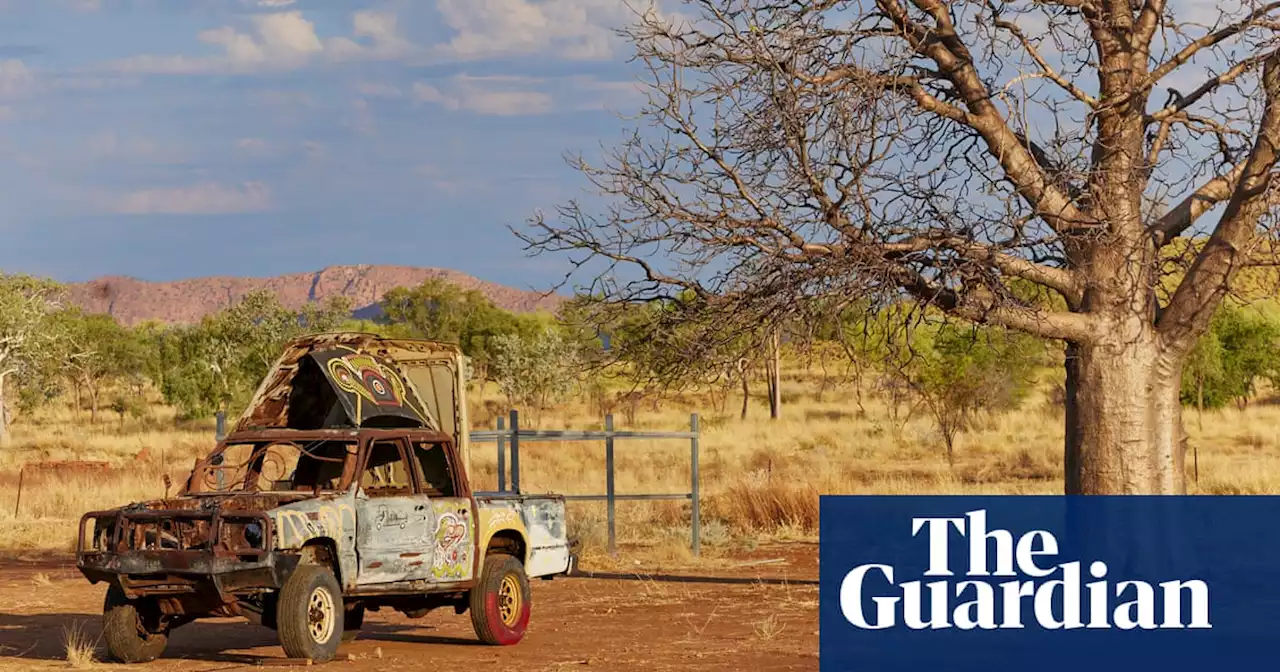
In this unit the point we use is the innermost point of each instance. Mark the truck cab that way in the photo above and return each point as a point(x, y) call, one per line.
point(341, 490)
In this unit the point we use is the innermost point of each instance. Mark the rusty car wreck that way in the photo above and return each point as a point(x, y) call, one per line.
point(343, 489)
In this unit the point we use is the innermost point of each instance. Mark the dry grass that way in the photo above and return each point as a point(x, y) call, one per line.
point(768, 628)
point(41, 580)
point(80, 650)
point(760, 479)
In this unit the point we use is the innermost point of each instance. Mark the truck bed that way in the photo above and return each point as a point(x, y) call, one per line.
point(543, 518)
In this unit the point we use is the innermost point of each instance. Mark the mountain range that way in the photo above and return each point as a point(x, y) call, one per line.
point(131, 301)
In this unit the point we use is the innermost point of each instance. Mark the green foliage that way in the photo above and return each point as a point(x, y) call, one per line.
point(216, 364)
point(26, 342)
point(94, 351)
point(676, 343)
point(1241, 346)
point(957, 372)
point(535, 370)
point(442, 311)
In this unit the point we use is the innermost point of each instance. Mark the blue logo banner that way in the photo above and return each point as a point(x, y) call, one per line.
point(1079, 584)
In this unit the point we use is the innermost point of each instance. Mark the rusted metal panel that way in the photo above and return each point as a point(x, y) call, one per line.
point(368, 388)
point(270, 403)
point(441, 365)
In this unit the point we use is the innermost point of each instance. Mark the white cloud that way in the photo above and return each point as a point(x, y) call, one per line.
point(278, 41)
point(589, 93)
point(382, 32)
point(203, 198)
point(494, 96)
point(506, 95)
point(572, 29)
point(15, 78)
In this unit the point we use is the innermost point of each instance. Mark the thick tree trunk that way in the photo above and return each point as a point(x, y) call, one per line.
point(1124, 431)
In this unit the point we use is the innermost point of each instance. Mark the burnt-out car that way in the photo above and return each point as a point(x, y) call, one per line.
point(340, 491)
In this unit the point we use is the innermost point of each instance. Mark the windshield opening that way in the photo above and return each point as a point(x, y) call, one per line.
point(274, 466)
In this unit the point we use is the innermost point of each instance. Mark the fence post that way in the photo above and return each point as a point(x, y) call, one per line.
point(220, 433)
point(515, 451)
point(609, 491)
point(18, 504)
point(502, 456)
point(696, 523)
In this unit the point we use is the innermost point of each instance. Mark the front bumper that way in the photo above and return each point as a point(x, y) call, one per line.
point(180, 553)
point(150, 573)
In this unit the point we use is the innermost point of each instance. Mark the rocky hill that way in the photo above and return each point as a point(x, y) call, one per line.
point(132, 301)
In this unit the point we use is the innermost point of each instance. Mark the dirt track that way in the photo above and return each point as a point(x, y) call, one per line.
point(602, 623)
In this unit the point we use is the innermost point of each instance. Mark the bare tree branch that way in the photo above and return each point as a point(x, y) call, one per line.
point(1233, 73)
point(1227, 250)
point(1045, 69)
point(1185, 214)
point(1209, 40)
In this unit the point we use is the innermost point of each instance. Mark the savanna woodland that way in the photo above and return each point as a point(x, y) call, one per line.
point(880, 248)
point(1095, 173)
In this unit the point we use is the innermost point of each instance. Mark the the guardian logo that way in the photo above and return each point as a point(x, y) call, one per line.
point(1055, 598)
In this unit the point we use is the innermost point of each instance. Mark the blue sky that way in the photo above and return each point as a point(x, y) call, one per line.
point(177, 138)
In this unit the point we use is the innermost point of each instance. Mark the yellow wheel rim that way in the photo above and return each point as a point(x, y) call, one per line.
point(509, 598)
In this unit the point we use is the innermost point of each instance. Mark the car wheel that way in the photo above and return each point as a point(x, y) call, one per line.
point(309, 614)
point(132, 628)
point(500, 601)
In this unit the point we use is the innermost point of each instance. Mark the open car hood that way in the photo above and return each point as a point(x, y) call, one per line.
point(360, 380)
point(367, 391)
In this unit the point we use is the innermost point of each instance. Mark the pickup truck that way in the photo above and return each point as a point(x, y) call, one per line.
point(341, 490)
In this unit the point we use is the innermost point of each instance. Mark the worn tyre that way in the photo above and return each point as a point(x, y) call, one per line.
point(132, 629)
point(501, 601)
point(309, 614)
point(352, 621)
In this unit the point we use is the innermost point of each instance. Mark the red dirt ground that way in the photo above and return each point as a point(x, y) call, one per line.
point(578, 623)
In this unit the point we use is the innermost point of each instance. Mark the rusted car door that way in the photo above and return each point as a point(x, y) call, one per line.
point(395, 522)
point(453, 538)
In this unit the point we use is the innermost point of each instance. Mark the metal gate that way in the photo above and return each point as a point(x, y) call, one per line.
point(510, 434)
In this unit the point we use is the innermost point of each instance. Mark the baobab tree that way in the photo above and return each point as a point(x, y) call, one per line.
point(955, 153)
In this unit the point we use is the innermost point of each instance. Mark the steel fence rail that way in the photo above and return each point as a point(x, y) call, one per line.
point(509, 433)
point(489, 436)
